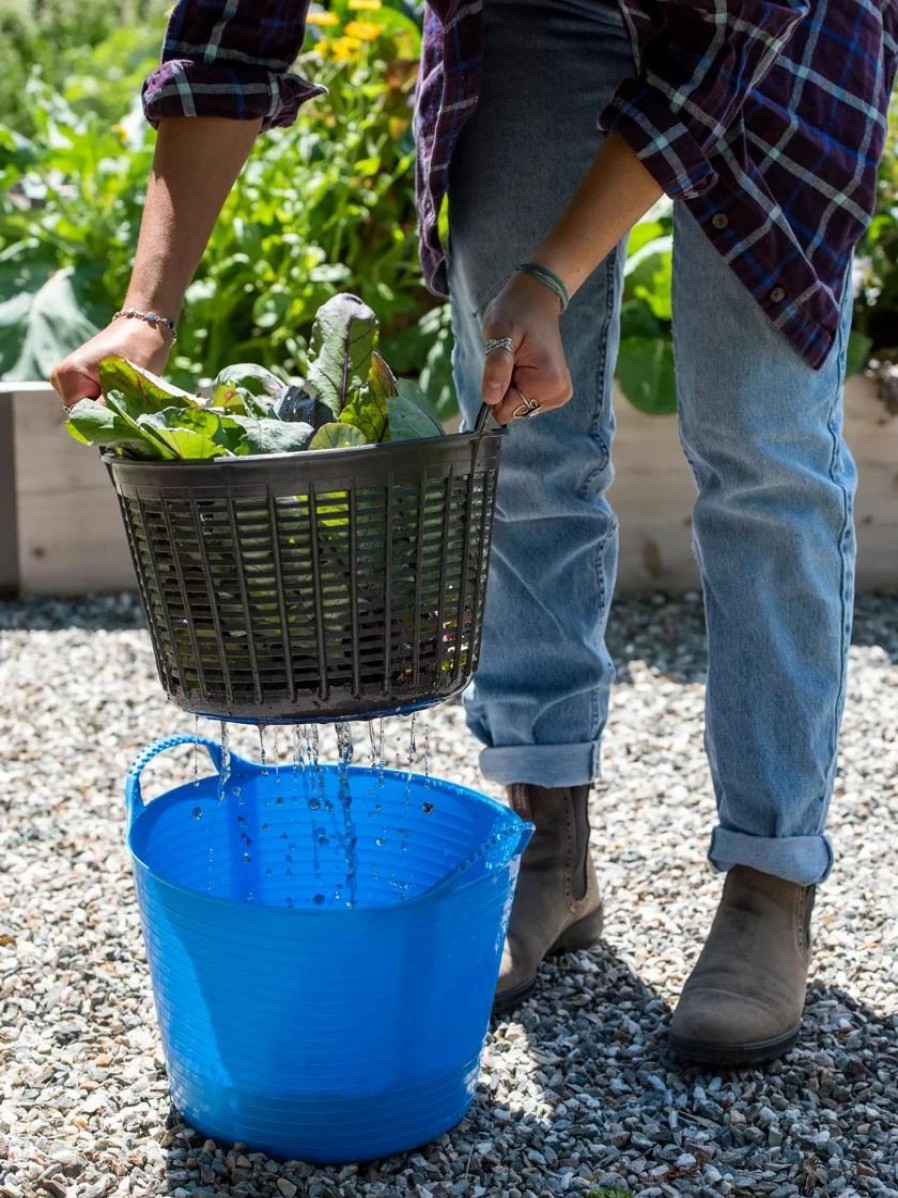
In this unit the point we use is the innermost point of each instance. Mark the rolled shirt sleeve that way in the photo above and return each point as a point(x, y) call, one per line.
point(231, 58)
point(695, 70)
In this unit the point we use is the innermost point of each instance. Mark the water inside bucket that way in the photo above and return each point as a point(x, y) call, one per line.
point(324, 838)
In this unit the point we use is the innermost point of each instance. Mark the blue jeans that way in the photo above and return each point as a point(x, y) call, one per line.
point(762, 433)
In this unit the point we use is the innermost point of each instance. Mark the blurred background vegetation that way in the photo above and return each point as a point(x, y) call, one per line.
point(324, 206)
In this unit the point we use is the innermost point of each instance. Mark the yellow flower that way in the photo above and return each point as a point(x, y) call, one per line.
point(342, 49)
point(366, 31)
point(364, 5)
point(322, 18)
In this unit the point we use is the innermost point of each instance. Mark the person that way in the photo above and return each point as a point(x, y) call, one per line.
point(553, 126)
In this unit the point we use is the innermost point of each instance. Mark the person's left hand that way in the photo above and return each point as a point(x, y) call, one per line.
point(535, 376)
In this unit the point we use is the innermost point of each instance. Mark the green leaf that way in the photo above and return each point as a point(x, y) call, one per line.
point(409, 421)
point(196, 433)
point(858, 355)
point(247, 376)
point(141, 390)
point(648, 274)
point(645, 371)
point(122, 409)
point(273, 436)
point(187, 443)
point(94, 423)
point(343, 339)
point(40, 324)
point(368, 411)
point(228, 397)
point(337, 436)
point(638, 320)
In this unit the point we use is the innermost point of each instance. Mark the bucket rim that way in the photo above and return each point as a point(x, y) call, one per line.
point(433, 894)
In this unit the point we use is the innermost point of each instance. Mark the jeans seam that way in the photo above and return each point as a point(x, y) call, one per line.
point(595, 431)
point(847, 514)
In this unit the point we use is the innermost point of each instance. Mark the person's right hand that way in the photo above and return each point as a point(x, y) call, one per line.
point(77, 376)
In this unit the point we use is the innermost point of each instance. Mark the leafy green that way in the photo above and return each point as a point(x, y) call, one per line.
point(94, 423)
point(142, 390)
point(337, 436)
point(367, 411)
point(645, 369)
point(249, 413)
point(408, 418)
point(343, 339)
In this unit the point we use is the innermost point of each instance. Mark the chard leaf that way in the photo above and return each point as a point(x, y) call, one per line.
point(197, 433)
point(228, 397)
point(186, 443)
point(343, 338)
point(141, 390)
point(368, 411)
point(273, 436)
point(408, 419)
point(247, 376)
point(94, 423)
point(337, 436)
point(116, 401)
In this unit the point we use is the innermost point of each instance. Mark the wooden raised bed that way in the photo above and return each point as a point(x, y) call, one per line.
point(61, 533)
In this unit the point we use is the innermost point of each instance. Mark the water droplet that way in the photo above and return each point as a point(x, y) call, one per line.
point(289, 902)
point(427, 808)
point(197, 813)
point(247, 858)
point(249, 896)
point(279, 801)
point(322, 836)
point(266, 827)
point(314, 804)
point(289, 859)
point(380, 842)
point(318, 899)
point(268, 872)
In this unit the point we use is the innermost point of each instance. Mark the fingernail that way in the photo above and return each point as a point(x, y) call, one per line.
point(494, 389)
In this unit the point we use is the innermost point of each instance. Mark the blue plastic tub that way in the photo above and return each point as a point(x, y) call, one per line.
point(323, 969)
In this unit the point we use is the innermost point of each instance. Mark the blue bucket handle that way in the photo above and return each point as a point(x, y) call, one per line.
point(518, 834)
point(133, 798)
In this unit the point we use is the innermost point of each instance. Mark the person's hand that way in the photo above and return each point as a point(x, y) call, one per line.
point(77, 376)
point(534, 377)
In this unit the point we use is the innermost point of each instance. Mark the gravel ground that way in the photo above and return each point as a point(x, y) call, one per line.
point(576, 1094)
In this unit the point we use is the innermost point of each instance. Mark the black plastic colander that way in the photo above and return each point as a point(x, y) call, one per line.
point(339, 584)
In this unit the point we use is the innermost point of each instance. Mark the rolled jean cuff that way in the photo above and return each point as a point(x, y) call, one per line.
point(804, 860)
point(541, 765)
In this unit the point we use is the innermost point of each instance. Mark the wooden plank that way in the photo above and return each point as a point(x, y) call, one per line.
point(71, 538)
point(9, 541)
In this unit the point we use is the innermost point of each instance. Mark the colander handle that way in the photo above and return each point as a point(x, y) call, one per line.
point(133, 798)
point(481, 424)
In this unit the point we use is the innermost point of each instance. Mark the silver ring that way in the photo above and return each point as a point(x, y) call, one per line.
point(494, 343)
point(529, 407)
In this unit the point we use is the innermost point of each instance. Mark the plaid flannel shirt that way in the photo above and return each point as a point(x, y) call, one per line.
point(766, 117)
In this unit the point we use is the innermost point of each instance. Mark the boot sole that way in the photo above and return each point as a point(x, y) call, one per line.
point(585, 933)
point(704, 1052)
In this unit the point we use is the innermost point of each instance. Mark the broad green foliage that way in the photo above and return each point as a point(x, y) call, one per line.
point(146, 417)
point(321, 208)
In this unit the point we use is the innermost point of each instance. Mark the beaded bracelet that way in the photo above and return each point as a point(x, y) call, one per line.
point(150, 318)
point(548, 278)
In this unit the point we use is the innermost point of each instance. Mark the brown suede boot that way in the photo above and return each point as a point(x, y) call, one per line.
point(742, 1003)
point(557, 907)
